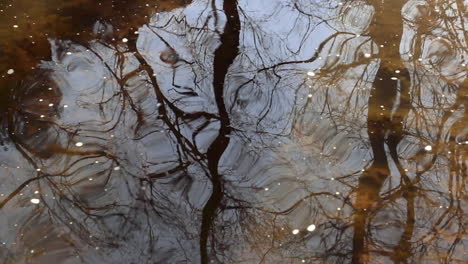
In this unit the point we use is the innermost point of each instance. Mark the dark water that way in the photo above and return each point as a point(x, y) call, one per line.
point(263, 131)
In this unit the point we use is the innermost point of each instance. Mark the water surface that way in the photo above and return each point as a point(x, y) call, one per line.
point(265, 131)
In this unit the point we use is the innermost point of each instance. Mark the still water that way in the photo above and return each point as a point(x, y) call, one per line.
point(248, 131)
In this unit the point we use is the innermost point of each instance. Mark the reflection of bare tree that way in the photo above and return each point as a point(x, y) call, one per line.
point(224, 57)
point(299, 131)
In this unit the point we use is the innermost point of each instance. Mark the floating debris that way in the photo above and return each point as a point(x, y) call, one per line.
point(169, 56)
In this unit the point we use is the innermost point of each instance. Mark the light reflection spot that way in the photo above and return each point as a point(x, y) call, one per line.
point(311, 228)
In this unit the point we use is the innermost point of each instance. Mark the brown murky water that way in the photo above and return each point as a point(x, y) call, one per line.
point(265, 131)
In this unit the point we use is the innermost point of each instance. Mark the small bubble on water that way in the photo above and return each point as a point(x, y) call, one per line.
point(311, 228)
